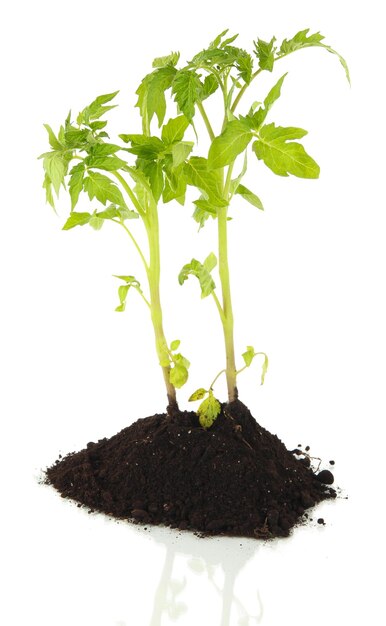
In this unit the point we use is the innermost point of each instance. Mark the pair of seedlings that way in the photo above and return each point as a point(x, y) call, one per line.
point(129, 179)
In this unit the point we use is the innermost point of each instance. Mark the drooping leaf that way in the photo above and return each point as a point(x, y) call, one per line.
point(250, 197)
point(55, 165)
point(248, 355)
point(103, 189)
point(282, 155)
point(265, 52)
point(144, 146)
point(199, 394)
point(131, 282)
point(96, 222)
point(227, 146)
point(187, 88)
point(208, 410)
point(76, 183)
point(303, 40)
point(201, 271)
point(47, 185)
point(174, 130)
point(77, 219)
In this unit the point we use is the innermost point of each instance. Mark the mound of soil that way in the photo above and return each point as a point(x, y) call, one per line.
point(235, 478)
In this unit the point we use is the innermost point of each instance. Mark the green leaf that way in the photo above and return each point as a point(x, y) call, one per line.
point(77, 138)
point(232, 141)
point(144, 146)
point(274, 93)
point(250, 197)
point(255, 119)
point(174, 130)
point(54, 142)
point(76, 183)
point(175, 345)
point(95, 110)
point(55, 166)
point(202, 273)
point(199, 394)
point(98, 125)
point(208, 411)
point(187, 89)
point(103, 189)
point(210, 85)
point(303, 40)
point(244, 64)
point(264, 367)
point(96, 222)
point(104, 149)
point(265, 52)
point(178, 375)
point(282, 155)
point(47, 185)
point(77, 219)
point(209, 182)
point(154, 173)
point(131, 282)
point(122, 213)
point(181, 151)
point(249, 355)
point(171, 59)
point(107, 163)
point(151, 93)
point(175, 185)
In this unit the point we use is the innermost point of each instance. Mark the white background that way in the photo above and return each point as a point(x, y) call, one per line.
point(308, 283)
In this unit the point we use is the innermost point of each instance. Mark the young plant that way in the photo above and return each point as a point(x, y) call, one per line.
point(232, 71)
point(122, 194)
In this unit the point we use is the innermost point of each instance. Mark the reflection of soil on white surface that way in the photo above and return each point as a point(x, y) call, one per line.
point(211, 559)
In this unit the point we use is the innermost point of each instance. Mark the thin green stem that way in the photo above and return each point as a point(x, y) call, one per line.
point(206, 120)
point(218, 305)
point(216, 378)
point(243, 90)
point(137, 247)
point(129, 192)
point(228, 322)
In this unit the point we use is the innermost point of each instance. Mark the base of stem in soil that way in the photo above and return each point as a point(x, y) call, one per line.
point(234, 479)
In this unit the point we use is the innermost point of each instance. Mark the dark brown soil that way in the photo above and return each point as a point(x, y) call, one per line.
point(235, 478)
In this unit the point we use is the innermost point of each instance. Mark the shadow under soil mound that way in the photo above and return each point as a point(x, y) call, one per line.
point(235, 478)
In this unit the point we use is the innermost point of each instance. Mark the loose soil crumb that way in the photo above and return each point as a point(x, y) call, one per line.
point(234, 479)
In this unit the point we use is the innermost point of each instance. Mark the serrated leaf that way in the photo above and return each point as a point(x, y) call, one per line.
point(208, 411)
point(154, 173)
point(76, 183)
point(151, 93)
point(96, 109)
point(143, 146)
point(98, 125)
point(104, 149)
point(232, 141)
point(174, 130)
point(199, 394)
point(209, 182)
point(77, 219)
point(55, 166)
point(47, 185)
point(265, 52)
point(107, 163)
point(282, 155)
point(187, 89)
point(54, 142)
point(249, 196)
point(170, 59)
point(175, 345)
point(210, 86)
point(248, 355)
point(103, 189)
point(244, 64)
point(197, 269)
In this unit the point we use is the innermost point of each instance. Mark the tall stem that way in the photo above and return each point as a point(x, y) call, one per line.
point(228, 323)
point(154, 272)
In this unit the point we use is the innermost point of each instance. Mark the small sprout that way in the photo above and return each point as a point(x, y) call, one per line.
point(175, 345)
